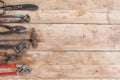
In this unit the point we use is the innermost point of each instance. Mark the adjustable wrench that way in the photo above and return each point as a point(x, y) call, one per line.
point(19, 48)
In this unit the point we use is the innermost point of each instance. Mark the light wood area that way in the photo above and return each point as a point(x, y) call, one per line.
point(78, 40)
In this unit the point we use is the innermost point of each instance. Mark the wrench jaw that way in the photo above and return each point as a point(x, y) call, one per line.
point(22, 47)
point(23, 68)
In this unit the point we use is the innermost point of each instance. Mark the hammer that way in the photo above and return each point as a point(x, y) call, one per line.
point(21, 69)
point(20, 37)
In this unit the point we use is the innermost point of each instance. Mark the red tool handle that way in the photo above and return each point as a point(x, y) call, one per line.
point(7, 65)
point(8, 74)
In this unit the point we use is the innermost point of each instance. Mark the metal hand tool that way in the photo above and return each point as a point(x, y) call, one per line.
point(19, 48)
point(13, 29)
point(21, 69)
point(9, 57)
point(28, 7)
point(22, 37)
point(17, 18)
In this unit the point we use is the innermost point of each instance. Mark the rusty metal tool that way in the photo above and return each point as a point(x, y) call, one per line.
point(13, 29)
point(9, 57)
point(23, 37)
point(25, 7)
point(21, 69)
point(19, 48)
point(17, 18)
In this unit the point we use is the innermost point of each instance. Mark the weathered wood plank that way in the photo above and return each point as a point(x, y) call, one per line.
point(16, 78)
point(66, 16)
point(86, 52)
point(76, 71)
point(72, 16)
point(87, 11)
point(57, 64)
point(76, 37)
point(75, 65)
point(114, 17)
point(76, 58)
point(116, 5)
point(102, 5)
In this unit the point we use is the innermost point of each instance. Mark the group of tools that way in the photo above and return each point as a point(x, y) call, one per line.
point(16, 33)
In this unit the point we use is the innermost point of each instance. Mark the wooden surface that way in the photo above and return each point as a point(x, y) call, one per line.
point(78, 40)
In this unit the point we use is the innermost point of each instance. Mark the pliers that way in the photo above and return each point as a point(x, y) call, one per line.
point(13, 29)
point(21, 69)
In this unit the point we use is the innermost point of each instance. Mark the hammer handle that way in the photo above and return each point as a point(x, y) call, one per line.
point(7, 65)
point(8, 74)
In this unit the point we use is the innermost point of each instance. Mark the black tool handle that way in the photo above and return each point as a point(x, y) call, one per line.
point(28, 7)
point(7, 27)
point(6, 46)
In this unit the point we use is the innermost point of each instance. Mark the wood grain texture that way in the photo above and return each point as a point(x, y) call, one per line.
point(66, 16)
point(78, 40)
point(76, 64)
point(77, 37)
point(77, 11)
point(103, 5)
point(72, 16)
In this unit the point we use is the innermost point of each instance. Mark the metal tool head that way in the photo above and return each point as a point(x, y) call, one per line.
point(26, 18)
point(23, 68)
point(19, 29)
point(33, 38)
point(22, 47)
point(9, 57)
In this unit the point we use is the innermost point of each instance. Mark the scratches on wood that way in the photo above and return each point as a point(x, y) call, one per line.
point(79, 16)
point(74, 58)
point(76, 64)
point(78, 39)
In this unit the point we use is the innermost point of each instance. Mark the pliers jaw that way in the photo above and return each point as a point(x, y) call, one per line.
point(24, 68)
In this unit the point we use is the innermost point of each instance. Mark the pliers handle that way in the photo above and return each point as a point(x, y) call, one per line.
point(8, 74)
point(8, 66)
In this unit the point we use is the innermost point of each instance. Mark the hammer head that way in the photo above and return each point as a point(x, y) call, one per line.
point(33, 38)
point(24, 68)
